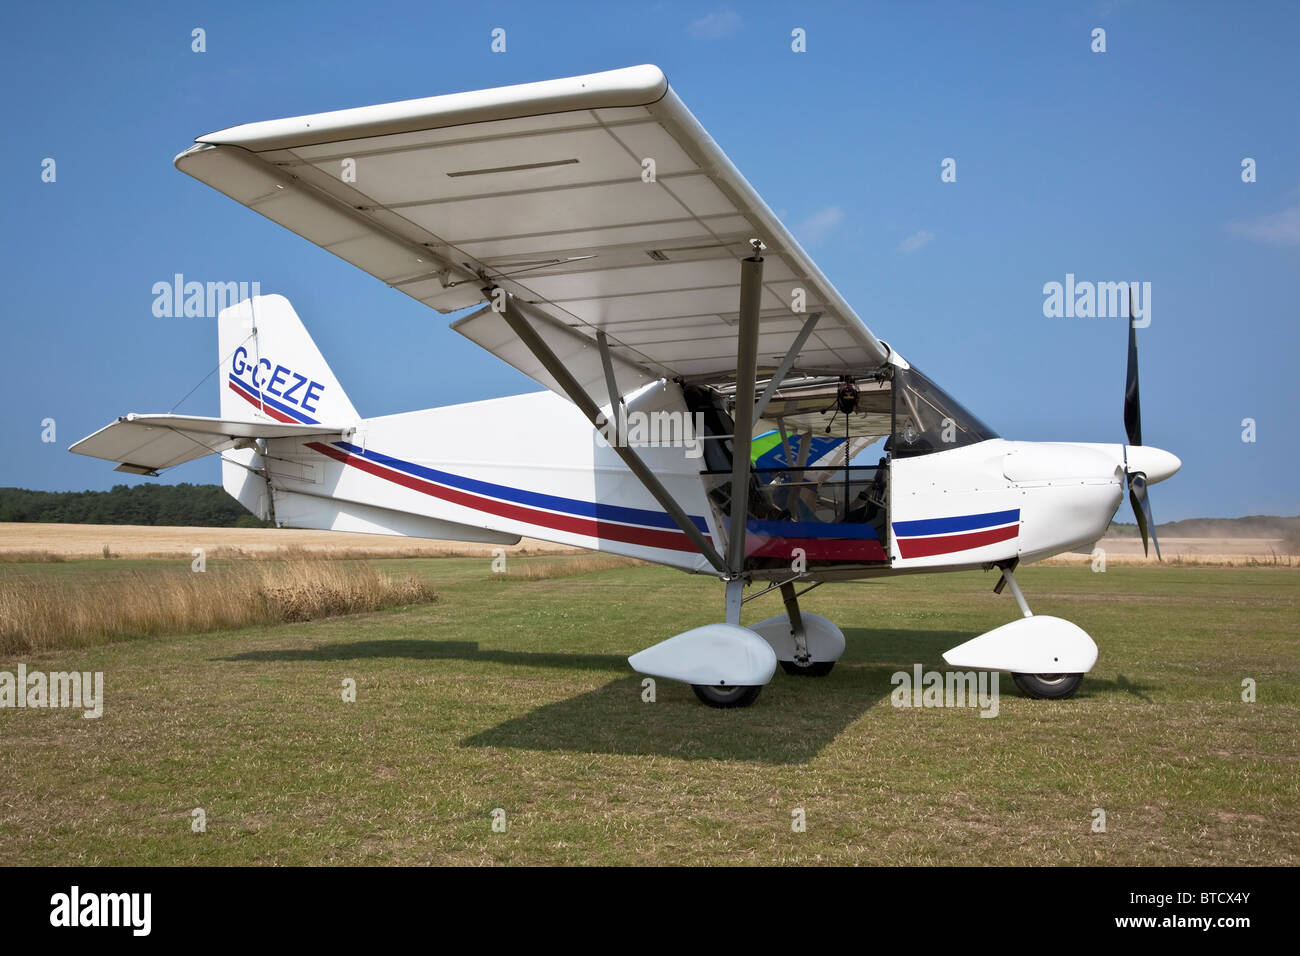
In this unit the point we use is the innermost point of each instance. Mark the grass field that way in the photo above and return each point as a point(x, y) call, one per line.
point(514, 693)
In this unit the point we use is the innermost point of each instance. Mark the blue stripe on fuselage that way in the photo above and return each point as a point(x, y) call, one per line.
point(587, 509)
point(906, 529)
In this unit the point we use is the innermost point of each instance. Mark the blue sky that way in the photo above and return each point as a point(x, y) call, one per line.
point(1111, 166)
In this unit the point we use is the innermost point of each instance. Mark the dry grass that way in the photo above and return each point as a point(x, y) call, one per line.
point(566, 567)
point(30, 557)
point(1271, 560)
point(26, 541)
point(38, 614)
point(1268, 559)
point(22, 543)
point(1203, 552)
point(288, 553)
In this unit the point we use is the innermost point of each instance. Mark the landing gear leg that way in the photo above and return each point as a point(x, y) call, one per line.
point(803, 665)
point(1038, 686)
point(725, 664)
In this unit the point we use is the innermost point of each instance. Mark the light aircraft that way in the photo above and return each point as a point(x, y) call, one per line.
point(622, 262)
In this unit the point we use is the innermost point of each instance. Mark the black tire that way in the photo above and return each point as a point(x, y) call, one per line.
point(719, 695)
point(815, 669)
point(1048, 686)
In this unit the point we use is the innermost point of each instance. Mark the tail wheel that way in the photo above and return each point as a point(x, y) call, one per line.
point(815, 669)
point(723, 695)
point(1048, 686)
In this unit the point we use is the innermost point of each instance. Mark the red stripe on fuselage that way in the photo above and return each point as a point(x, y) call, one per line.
point(277, 415)
point(817, 549)
point(592, 528)
point(952, 543)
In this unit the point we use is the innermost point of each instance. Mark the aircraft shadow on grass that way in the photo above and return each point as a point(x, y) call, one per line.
point(794, 719)
point(792, 722)
point(432, 650)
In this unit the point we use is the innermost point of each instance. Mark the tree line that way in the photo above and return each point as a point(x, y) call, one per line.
point(205, 506)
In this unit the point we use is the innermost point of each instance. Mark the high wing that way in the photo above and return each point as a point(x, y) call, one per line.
point(598, 200)
point(145, 444)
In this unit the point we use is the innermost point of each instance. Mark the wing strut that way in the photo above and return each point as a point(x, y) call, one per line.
point(522, 328)
point(787, 363)
point(615, 399)
point(751, 289)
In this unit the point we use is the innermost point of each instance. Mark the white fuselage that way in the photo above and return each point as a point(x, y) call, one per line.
point(531, 465)
point(1001, 500)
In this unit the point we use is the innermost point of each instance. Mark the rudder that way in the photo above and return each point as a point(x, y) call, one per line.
point(271, 368)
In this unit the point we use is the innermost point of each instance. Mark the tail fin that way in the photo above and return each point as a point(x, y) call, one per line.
point(271, 368)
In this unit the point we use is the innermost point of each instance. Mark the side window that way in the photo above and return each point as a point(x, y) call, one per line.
point(926, 419)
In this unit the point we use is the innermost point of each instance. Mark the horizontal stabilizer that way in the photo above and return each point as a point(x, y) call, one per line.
point(145, 444)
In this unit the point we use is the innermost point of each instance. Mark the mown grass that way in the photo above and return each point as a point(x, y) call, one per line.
point(514, 693)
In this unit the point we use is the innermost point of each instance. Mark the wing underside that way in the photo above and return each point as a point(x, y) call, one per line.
point(598, 200)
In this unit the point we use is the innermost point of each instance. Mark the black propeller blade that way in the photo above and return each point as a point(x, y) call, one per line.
point(1137, 496)
point(1137, 482)
point(1132, 402)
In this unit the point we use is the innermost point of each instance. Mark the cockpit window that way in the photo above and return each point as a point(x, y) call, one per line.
point(928, 420)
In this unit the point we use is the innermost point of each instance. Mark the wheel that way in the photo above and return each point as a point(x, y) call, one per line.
point(720, 695)
point(1048, 686)
point(815, 669)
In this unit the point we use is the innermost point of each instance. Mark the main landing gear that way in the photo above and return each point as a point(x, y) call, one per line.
point(1046, 656)
point(727, 665)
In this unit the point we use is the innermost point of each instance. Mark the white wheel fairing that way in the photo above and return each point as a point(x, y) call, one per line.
point(825, 640)
point(715, 654)
point(1032, 645)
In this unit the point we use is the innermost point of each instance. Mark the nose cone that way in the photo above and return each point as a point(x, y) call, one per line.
point(1156, 463)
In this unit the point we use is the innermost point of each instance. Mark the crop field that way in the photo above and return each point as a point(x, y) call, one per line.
point(511, 693)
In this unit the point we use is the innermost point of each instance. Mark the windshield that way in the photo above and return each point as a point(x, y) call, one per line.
point(927, 419)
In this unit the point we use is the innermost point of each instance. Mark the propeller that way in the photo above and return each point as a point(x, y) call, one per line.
point(1137, 496)
point(1137, 480)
